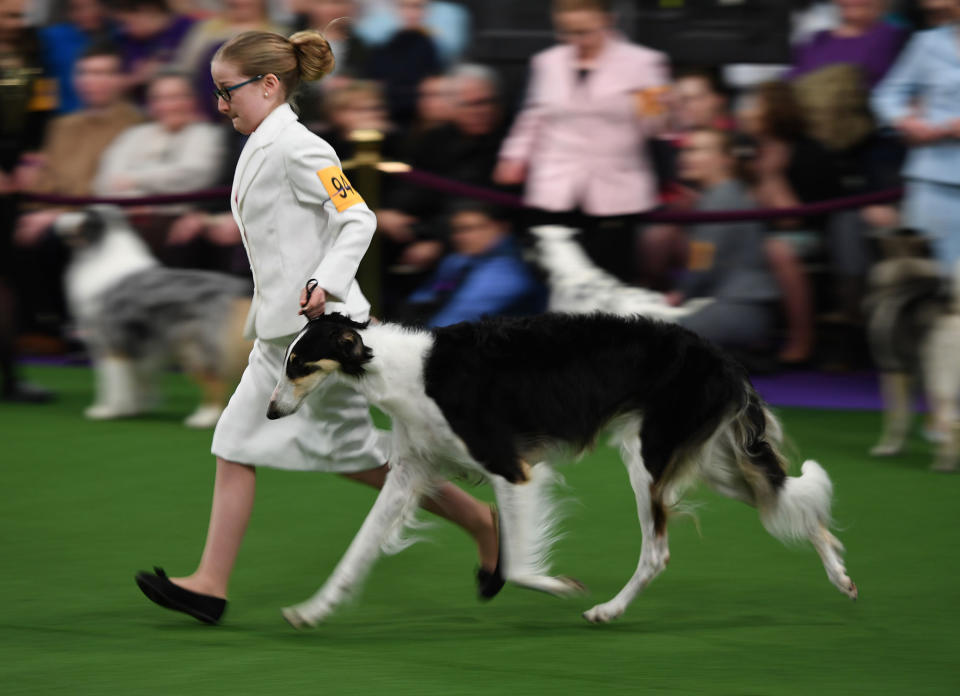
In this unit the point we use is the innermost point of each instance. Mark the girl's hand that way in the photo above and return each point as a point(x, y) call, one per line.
point(314, 308)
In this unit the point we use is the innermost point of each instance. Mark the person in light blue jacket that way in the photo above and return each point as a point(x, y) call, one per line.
point(920, 97)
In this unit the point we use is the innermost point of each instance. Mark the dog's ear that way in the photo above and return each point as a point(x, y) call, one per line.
point(353, 353)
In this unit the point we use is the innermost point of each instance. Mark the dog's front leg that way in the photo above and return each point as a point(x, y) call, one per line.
point(401, 490)
point(895, 387)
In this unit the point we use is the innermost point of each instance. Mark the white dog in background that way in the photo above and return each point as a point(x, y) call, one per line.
point(136, 317)
point(578, 286)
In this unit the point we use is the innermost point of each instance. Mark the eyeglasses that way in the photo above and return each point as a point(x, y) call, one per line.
point(224, 92)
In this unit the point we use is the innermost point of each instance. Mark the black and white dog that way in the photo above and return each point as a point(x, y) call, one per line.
point(501, 398)
point(136, 317)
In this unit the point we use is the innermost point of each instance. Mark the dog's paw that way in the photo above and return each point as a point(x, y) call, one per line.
point(103, 412)
point(204, 417)
point(299, 618)
point(886, 449)
point(604, 613)
point(558, 586)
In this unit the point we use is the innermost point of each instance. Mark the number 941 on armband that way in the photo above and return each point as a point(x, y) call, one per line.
point(339, 188)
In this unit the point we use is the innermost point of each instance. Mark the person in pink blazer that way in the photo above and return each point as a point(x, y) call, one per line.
point(579, 144)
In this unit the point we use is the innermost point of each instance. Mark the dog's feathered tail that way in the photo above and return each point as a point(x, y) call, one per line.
point(791, 508)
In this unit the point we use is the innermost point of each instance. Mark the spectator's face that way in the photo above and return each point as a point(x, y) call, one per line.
point(477, 110)
point(247, 106)
point(244, 10)
point(141, 22)
point(86, 14)
point(435, 102)
point(171, 103)
point(696, 104)
point(363, 110)
point(585, 30)
point(703, 160)
point(412, 13)
point(322, 12)
point(751, 116)
point(473, 233)
point(860, 12)
point(12, 19)
point(99, 80)
point(940, 12)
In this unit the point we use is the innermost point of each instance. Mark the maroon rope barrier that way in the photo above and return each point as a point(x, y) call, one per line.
point(439, 183)
point(457, 188)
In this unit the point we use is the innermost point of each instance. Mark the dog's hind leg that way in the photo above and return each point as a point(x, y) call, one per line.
point(528, 520)
point(396, 503)
point(208, 412)
point(654, 551)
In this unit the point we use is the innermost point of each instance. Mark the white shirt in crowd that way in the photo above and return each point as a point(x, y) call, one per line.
point(148, 160)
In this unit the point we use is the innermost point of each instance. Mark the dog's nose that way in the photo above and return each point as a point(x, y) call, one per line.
point(273, 412)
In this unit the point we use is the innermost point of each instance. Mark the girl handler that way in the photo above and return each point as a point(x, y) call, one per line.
point(300, 219)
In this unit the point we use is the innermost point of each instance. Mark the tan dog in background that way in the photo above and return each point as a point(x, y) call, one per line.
point(914, 331)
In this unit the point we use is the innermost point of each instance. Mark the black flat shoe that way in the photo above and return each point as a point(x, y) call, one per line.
point(489, 583)
point(160, 590)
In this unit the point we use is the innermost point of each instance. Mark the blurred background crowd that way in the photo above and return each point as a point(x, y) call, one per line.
point(595, 112)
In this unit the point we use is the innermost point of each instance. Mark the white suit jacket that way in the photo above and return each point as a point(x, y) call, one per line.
point(293, 229)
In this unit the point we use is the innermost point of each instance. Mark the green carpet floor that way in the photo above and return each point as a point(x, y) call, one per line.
point(85, 505)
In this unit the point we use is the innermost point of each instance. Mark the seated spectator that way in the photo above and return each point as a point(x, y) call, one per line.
point(75, 143)
point(175, 152)
point(862, 38)
point(697, 100)
point(483, 276)
point(78, 23)
point(150, 35)
point(919, 98)
point(66, 166)
point(726, 261)
point(787, 170)
point(354, 106)
point(792, 169)
point(465, 150)
point(404, 60)
point(447, 22)
point(435, 104)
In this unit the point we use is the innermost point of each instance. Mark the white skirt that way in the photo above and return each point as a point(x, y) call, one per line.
point(331, 431)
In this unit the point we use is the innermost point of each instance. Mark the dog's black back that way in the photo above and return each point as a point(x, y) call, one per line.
point(506, 383)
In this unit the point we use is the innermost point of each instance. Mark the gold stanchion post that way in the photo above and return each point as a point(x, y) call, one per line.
point(365, 175)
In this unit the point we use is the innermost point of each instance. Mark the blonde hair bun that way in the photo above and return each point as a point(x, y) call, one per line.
point(314, 55)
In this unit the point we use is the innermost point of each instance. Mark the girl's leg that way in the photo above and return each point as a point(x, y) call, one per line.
point(456, 505)
point(233, 493)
